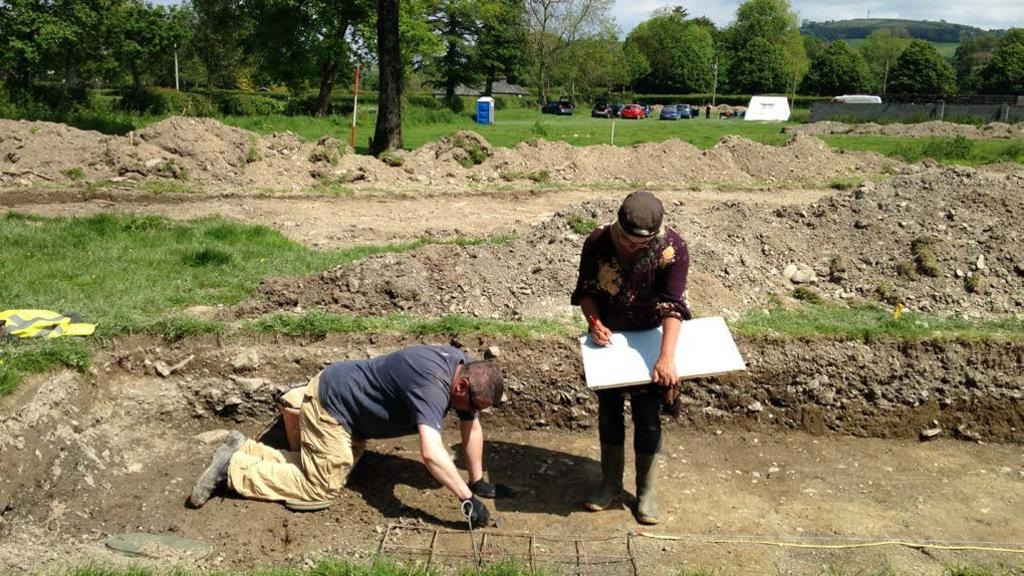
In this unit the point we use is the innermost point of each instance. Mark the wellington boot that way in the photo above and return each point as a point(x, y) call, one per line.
point(646, 488)
point(613, 461)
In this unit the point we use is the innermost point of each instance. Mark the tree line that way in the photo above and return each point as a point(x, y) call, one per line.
point(553, 46)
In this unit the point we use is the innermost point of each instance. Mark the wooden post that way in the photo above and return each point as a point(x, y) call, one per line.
point(355, 106)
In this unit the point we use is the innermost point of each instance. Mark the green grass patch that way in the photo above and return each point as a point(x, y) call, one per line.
point(954, 151)
point(332, 186)
point(321, 324)
point(845, 182)
point(805, 294)
point(74, 173)
point(538, 176)
point(868, 322)
point(581, 225)
point(22, 357)
point(158, 187)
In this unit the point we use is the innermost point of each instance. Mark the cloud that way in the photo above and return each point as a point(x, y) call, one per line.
point(986, 14)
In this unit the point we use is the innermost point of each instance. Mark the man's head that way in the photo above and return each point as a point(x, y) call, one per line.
point(639, 220)
point(477, 385)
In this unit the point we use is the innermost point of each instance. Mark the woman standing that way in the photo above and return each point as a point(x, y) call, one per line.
point(632, 276)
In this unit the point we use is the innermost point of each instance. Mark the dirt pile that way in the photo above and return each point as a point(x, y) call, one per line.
point(934, 128)
point(734, 159)
point(206, 152)
point(941, 240)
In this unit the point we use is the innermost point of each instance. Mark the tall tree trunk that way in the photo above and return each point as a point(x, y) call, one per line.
point(388, 133)
point(449, 62)
point(330, 71)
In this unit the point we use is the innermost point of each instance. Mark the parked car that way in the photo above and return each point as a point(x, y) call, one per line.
point(617, 109)
point(633, 111)
point(687, 111)
point(669, 112)
point(601, 110)
point(562, 107)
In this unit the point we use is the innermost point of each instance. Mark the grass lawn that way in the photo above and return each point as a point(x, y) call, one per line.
point(959, 150)
point(517, 125)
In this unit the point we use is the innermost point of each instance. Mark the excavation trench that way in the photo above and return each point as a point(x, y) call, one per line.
point(85, 455)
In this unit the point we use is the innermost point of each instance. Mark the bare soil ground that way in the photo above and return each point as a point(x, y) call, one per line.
point(817, 442)
point(116, 451)
point(935, 128)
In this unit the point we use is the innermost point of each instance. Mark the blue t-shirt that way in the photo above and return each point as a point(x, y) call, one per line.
point(392, 395)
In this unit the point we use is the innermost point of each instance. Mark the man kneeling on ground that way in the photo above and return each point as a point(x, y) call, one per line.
point(402, 393)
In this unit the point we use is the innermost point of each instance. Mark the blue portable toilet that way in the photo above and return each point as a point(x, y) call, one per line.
point(485, 110)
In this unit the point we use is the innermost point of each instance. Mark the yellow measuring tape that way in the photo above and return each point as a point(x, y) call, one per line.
point(865, 544)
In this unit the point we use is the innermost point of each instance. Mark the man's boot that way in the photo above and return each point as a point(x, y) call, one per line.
point(646, 488)
point(613, 460)
point(216, 474)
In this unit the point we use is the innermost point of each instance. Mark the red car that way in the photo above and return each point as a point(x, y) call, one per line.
point(634, 111)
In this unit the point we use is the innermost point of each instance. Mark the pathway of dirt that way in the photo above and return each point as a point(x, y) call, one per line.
point(324, 222)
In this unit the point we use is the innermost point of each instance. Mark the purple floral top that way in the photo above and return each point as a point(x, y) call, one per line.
point(639, 297)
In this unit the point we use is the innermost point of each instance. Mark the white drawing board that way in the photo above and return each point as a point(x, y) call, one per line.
point(705, 348)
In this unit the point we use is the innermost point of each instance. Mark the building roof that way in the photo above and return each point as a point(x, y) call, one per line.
point(500, 87)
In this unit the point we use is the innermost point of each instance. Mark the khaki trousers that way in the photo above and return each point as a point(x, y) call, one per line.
point(314, 474)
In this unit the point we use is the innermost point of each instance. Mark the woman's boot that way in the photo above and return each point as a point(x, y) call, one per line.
point(612, 465)
point(646, 488)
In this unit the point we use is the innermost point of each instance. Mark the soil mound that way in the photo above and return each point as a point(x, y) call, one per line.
point(934, 128)
point(940, 240)
point(205, 151)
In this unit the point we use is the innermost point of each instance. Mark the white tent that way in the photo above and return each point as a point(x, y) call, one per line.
point(768, 108)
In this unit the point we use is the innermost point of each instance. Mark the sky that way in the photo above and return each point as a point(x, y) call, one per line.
point(986, 14)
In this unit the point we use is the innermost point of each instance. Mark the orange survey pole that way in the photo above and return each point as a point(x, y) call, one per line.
point(355, 104)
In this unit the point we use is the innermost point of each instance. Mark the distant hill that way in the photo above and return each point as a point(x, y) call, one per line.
point(936, 32)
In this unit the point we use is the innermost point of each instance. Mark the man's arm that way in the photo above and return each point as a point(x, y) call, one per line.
point(439, 463)
point(473, 447)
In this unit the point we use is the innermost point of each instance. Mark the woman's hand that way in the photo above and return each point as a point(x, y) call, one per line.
point(665, 371)
point(599, 333)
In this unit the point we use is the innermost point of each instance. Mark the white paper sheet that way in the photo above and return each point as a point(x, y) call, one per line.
point(705, 348)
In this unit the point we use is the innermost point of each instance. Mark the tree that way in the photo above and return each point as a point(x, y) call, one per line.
point(296, 40)
point(920, 69)
point(503, 45)
point(388, 132)
point(555, 24)
point(1004, 74)
point(143, 38)
point(813, 46)
point(839, 69)
point(679, 53)
point(57, 37)
point(880, 50)
point(592, 66)
point(971, 57)
point(455, 23)
point(766, 52)
point(220, 30)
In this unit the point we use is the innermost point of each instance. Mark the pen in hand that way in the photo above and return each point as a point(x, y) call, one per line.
point(601, 335)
